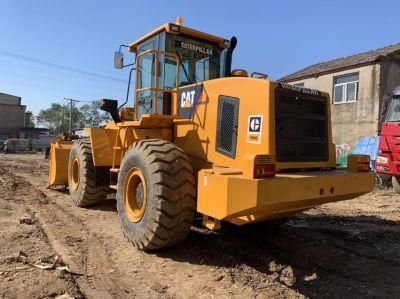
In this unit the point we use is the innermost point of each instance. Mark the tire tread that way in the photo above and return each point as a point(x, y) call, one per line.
point(173, 189)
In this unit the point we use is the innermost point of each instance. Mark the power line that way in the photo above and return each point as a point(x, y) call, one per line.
point(57, 66)
point(78, 101)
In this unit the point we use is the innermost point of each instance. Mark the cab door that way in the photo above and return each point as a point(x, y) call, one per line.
point(145, 77)
point(155, 67)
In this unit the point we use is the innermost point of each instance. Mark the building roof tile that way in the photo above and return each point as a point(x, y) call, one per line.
point(344, 62)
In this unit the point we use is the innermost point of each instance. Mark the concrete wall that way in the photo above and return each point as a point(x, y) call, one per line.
point(45, 139)
point(12, 115)
point(9, 99)
point(350, 121)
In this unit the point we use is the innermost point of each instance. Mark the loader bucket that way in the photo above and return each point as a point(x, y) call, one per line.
point(59, 156)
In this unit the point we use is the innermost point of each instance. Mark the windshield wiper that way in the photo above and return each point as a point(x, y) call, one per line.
point(184, 69)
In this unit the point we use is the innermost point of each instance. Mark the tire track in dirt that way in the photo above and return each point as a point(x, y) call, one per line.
point(338, 250)
point(33, 243)
point(64, 230)
point(233, 284)
point(73, 240)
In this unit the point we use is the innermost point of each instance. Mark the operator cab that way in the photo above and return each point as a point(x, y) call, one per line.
point(179, 56)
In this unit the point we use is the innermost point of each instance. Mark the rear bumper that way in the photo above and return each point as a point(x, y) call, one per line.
point(241, 200)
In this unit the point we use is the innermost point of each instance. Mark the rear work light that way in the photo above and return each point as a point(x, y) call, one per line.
point(264, 167)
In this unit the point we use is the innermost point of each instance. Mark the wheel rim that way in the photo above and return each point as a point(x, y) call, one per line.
point(135, 195)
point(75, 173)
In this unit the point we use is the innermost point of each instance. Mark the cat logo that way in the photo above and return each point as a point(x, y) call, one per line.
point(254, 129)
point(255, 124)
point(187, 98)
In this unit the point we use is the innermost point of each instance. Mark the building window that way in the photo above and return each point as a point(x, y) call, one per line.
point(301, 84)
point(345, 88)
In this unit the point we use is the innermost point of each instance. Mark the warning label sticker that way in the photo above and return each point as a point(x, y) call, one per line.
point(254, 129)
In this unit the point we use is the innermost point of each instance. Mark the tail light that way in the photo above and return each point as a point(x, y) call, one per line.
point(264, 167)
point(363, 166)
point(358, 163)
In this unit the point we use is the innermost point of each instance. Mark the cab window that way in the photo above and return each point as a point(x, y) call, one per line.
point(200, 60)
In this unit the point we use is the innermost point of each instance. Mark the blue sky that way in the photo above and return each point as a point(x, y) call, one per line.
point(275, 37)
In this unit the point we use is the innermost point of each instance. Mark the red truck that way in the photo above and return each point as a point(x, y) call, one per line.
point(388, 160)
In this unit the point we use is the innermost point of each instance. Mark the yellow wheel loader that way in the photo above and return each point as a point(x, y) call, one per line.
point(203, 138)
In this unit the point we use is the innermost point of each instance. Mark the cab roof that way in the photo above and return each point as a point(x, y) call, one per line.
point(179, 29)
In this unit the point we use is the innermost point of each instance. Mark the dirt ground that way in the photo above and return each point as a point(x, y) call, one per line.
point(50, 248)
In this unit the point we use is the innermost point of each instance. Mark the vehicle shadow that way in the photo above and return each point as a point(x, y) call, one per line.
point(108, 205)
point(327, 256)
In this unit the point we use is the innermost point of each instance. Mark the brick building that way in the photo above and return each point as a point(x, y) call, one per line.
point(12, 116)
point(14, 120)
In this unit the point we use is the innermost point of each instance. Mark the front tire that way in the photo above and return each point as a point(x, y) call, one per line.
point(81, 176)
point(155, 196)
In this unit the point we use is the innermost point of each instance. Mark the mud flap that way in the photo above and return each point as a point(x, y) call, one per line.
point(59, 156)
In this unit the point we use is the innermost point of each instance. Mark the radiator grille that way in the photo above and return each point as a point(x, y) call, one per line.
point(301, 127)
point(228, 109)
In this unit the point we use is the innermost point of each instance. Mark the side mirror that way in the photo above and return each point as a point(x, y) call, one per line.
point(118, 60)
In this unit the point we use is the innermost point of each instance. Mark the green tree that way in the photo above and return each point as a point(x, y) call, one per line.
point(56, 118)
point(92, 116)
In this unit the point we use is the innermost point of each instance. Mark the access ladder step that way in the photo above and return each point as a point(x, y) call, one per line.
point(114, 187)
point(114, 170)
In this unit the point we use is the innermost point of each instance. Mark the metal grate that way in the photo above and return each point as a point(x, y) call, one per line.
point(228, 111)
point(263, 159)
point(301, 127)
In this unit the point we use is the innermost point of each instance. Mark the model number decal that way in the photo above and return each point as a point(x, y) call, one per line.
point(300, 89)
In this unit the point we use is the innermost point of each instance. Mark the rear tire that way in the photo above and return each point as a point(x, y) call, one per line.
point(156, 194)
point(81, 176)
point(396, 183)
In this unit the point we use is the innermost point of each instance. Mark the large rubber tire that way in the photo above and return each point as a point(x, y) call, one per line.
point(81, 176)
point(169, 188)
point(396, 183)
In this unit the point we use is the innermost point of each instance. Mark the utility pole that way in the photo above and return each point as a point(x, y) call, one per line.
point(70, 113)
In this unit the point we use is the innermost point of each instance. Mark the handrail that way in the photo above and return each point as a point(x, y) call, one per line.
point(156, 88)
point(153, 88)
point(258, 75)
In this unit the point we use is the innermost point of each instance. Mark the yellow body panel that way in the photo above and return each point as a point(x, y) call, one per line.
point(59, 156)
point(240, 200)
point(110, 143)
point(256, 97)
